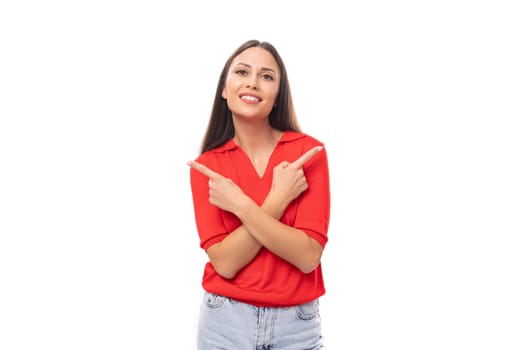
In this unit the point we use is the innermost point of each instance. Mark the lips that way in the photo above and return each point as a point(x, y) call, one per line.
point(250, 98)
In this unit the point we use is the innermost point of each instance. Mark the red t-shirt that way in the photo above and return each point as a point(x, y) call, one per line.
point(267, 280)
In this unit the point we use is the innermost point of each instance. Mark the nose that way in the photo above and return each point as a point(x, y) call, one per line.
point(252, 82)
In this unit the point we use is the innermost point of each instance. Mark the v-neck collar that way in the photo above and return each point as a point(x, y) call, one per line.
point(231, 146)
point(287, 136)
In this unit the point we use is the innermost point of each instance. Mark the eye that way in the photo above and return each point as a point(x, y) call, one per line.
point(241, 72)
point(268, 77)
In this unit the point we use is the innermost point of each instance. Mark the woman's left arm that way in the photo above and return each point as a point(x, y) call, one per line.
point(290, 243)
point(293, 244)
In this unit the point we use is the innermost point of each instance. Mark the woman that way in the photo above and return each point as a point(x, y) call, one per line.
point(261, 197)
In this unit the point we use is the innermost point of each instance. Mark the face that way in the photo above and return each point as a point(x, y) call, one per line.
point(252, 84)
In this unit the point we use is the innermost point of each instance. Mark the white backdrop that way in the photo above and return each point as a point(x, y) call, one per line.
point(420, 105)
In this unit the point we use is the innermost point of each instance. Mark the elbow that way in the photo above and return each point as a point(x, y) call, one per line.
point(311, 263)
point(307, 268)
point(312, 258)
point(224, 271)
point(224, 267)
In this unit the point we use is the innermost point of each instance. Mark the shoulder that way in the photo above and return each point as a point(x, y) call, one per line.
point(295, 144)
point(300, 140)
point(213, 156)
point(206, 157)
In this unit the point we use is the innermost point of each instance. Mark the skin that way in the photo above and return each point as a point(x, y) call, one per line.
point(261, 225)
point(251, 88)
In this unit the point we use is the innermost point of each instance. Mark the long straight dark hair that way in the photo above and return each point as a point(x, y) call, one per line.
point(282, 117)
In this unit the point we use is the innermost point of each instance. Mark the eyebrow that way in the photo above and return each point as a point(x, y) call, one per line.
point(265, 69)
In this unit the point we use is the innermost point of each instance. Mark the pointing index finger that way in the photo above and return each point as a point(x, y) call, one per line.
point(203, 169)
point(299, 162)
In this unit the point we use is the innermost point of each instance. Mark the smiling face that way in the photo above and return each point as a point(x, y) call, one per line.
point(252, 84)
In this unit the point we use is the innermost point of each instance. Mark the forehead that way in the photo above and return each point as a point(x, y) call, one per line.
point(256, 57)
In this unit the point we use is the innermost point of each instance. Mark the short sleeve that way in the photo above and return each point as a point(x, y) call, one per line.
point(208, 218)
point(313, 208)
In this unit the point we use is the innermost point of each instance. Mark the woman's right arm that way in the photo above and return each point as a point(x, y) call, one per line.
point(239, 248)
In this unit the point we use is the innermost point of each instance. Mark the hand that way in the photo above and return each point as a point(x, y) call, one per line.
point(288, 178)
point(224, 193)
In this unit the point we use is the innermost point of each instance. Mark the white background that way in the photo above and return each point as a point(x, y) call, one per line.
point(420, 105)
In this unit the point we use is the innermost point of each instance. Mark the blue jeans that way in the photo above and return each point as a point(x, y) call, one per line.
point(227, 324)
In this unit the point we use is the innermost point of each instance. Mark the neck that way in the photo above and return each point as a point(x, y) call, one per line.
point(252, 137)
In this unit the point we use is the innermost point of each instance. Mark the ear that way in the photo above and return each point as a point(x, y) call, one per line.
point(224, 93)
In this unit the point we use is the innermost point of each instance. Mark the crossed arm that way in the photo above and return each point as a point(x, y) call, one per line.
point(261, 225)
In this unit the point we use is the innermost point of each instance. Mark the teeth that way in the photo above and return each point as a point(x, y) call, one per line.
point(250, 98)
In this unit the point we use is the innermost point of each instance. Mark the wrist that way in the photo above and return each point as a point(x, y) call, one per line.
point(244, 207)
point(273, 206)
